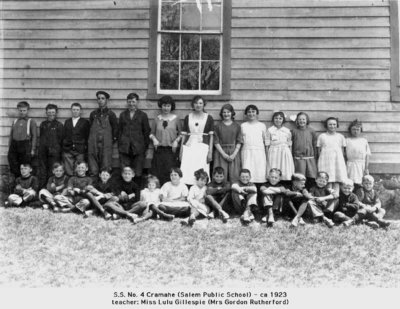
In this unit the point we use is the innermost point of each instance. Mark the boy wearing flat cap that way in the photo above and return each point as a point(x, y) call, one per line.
point(134, 136)
point(103, 133)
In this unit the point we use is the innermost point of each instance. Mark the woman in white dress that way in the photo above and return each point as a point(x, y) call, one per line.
point(254, 156)
point(197, 132)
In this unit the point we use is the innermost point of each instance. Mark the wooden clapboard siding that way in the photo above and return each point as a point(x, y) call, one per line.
point(328, 58)
point(325, 57)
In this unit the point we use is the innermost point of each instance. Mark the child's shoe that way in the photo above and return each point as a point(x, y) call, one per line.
point(56, 209)
point(301, 221)
point(383, 223)
point(168, 217)
point(295, 222)
point(116, 217)
point(372, 224)
point(131, 217)
point(46, 206)
point(88, 213)
point(348, 223)
point(264, 219)
point(65, 210)
point(6, 204)
point(328, 222)
point(211, 215)
point(224, 216)
point(107, 216)
point(192, 220)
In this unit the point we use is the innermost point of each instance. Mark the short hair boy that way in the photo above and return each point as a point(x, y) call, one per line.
point(50, 144)
point(371, 210)
point(244, 196)
point(76, 133)
point(22, 141)
point(217, 193)
point(103, 133)
point(134, 136)
point(273, 192)
point(25, 189)
point(56, 185)
point(348, 205)
point(75, 197)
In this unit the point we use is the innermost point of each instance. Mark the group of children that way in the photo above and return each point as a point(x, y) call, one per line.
point(295, 159)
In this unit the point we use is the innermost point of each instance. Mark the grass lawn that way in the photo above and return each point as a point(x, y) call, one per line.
point(41, 249)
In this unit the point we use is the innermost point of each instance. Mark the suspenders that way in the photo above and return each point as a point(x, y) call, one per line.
point(28, 126)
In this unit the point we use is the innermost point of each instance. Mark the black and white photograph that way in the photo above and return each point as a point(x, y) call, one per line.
point(199, 153)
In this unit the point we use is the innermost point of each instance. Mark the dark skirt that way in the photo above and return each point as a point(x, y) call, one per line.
point(163, 160)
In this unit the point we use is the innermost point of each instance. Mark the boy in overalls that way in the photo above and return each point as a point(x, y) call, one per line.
point(103, 133)
point(22, 142)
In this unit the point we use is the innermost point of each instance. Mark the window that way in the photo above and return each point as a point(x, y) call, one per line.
point(395, 51)
point(190, 41)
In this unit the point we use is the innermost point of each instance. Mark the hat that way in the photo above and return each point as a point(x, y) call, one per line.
point(103, 93)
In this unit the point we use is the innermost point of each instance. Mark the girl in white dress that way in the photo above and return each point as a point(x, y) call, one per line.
point(254, 147)
point(330, 147)
point(279, 142)
point(357, 153)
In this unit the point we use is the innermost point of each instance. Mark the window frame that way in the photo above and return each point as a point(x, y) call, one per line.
point(394, 51)
point(225, 61)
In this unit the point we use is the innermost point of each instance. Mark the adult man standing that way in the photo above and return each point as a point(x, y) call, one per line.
point(103, 132)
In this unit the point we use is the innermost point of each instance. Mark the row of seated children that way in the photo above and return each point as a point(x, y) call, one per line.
point(115, 199)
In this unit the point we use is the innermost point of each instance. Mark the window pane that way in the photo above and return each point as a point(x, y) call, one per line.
point(211, 18)
point(169, 46)
point(169, 75)
point(190, 17)
point(170, 16)
point(210, 47)
point(190, 47)
point(190, 76)
point(209, 75)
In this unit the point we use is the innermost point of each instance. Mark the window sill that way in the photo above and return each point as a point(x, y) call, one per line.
point(188, 97)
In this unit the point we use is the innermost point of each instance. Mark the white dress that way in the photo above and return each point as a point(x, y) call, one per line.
point(196, 199)
point(194, 152)
point(253, 150)
point(357, 150)
point(331, 158)
point(279, 154)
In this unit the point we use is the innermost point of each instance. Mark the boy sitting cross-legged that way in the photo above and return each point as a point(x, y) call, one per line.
point(348, 205)
point(371, 210)
point(25, 188)
point(56, 185)
point(75, 197)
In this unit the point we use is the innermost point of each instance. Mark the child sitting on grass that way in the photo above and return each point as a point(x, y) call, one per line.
point(321, 199)
point(295, 197)
point(371, 209)
point(244, 197)
point(127, 192)
point(101, 192)
point(217, 193)
point(196, 197)
point(149, 198)
point(25, 189)
point(56, 185)
point(273, 192)
point(75, 197)
point(348, 205)
point(174, 197)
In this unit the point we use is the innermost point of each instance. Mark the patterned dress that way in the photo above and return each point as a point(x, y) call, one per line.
point(357, 149)
point(253, 150)
point(279, 154)
point(331, 158)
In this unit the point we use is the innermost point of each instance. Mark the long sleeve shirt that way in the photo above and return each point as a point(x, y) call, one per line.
point(57, 185)
point(348, 204)
point(51, 135)
point(23, 183)
point(134, 133)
